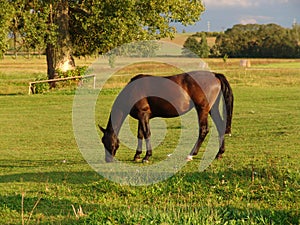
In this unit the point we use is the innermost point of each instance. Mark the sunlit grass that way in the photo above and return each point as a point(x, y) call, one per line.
point(15, 74)
point(256, 182)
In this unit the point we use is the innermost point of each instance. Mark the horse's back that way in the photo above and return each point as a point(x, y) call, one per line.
point(139, 76)
point(167, 99)
point(202, 86)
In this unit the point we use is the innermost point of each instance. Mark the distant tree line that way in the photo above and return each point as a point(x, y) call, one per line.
point(250, 41)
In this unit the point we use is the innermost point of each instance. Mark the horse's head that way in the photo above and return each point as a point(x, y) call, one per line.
point(110, 142)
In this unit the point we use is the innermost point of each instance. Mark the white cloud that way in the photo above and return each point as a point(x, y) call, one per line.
point(255, 19)
point(222, 3)
point(242, 3)
point(248, 21)
point(280, 1)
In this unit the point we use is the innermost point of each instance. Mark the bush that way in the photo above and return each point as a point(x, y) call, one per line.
point(78, 71)
point(44, 87)
point(40, 88)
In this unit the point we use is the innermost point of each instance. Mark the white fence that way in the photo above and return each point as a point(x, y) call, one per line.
point(31, 89)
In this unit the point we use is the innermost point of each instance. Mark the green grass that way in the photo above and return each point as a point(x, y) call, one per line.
point(281, 65)
point(256, 182)
point(15, 74)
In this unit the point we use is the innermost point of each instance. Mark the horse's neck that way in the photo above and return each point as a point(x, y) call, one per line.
point(115, 122)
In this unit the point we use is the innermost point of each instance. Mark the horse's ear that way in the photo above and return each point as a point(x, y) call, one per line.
point(101, 128)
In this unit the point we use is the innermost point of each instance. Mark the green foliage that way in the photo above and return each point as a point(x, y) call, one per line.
point(194, 48)
point(263, 41)
point(140, 49)
point(78, 71)
point(191, 47)
point(34, 30)
point(70, 84)
point(134, 49)
point(225, 57)
point(204, 48)
point(99, 26)
point(82, 28)
point(5, 14)
point(111, 60)
point(105, 25)
point(40, 88)
point(29, 25)
point(208, 34)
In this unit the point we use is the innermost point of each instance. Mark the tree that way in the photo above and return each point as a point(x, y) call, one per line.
point(194, 48)
point(295, 32)
point(85, 27)
point(5, 14)
point(59, 53)
point(253, 40)
point(26, 24)
point(191, 47)
point(204, 48)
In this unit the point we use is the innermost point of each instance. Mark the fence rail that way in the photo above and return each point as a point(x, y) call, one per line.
point(31, 89)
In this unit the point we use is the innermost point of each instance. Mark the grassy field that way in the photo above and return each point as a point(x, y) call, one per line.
point(45, 180)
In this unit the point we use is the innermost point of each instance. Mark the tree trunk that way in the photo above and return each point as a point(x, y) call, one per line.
point(59, 56)
point(50, 61)
point(15, 44)
point(63, 57)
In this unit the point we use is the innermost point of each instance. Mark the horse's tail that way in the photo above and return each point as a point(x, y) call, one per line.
point(228, 97)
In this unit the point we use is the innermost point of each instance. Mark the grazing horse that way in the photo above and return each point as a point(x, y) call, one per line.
point(146, 97)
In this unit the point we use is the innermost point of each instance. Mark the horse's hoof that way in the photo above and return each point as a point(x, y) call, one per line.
point(219, 156)
point(189, 158)
point(145, 161)
point(137, 159)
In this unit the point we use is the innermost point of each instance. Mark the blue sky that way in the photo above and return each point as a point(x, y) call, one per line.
point(223, 14)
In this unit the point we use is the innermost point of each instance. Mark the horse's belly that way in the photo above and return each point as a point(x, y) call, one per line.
point(163, 108)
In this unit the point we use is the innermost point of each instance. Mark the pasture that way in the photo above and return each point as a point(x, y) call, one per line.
point(45, 180)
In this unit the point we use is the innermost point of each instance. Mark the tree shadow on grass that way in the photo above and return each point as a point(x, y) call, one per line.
point(223, 184)
point(47, 171)
point(52, 177)
point(44, 210)
point(53, 193)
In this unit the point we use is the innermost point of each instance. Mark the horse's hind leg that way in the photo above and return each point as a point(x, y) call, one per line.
point(220, 124)
point(147, 134)
point(221, 150)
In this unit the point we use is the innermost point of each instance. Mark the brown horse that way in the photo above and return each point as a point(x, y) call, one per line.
point(146, 97)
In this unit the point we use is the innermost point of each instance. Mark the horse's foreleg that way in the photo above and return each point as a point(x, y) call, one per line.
point(146, 132)
point(143, 132)
point(203, 131)
point(149, 150)
point(140, 137)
